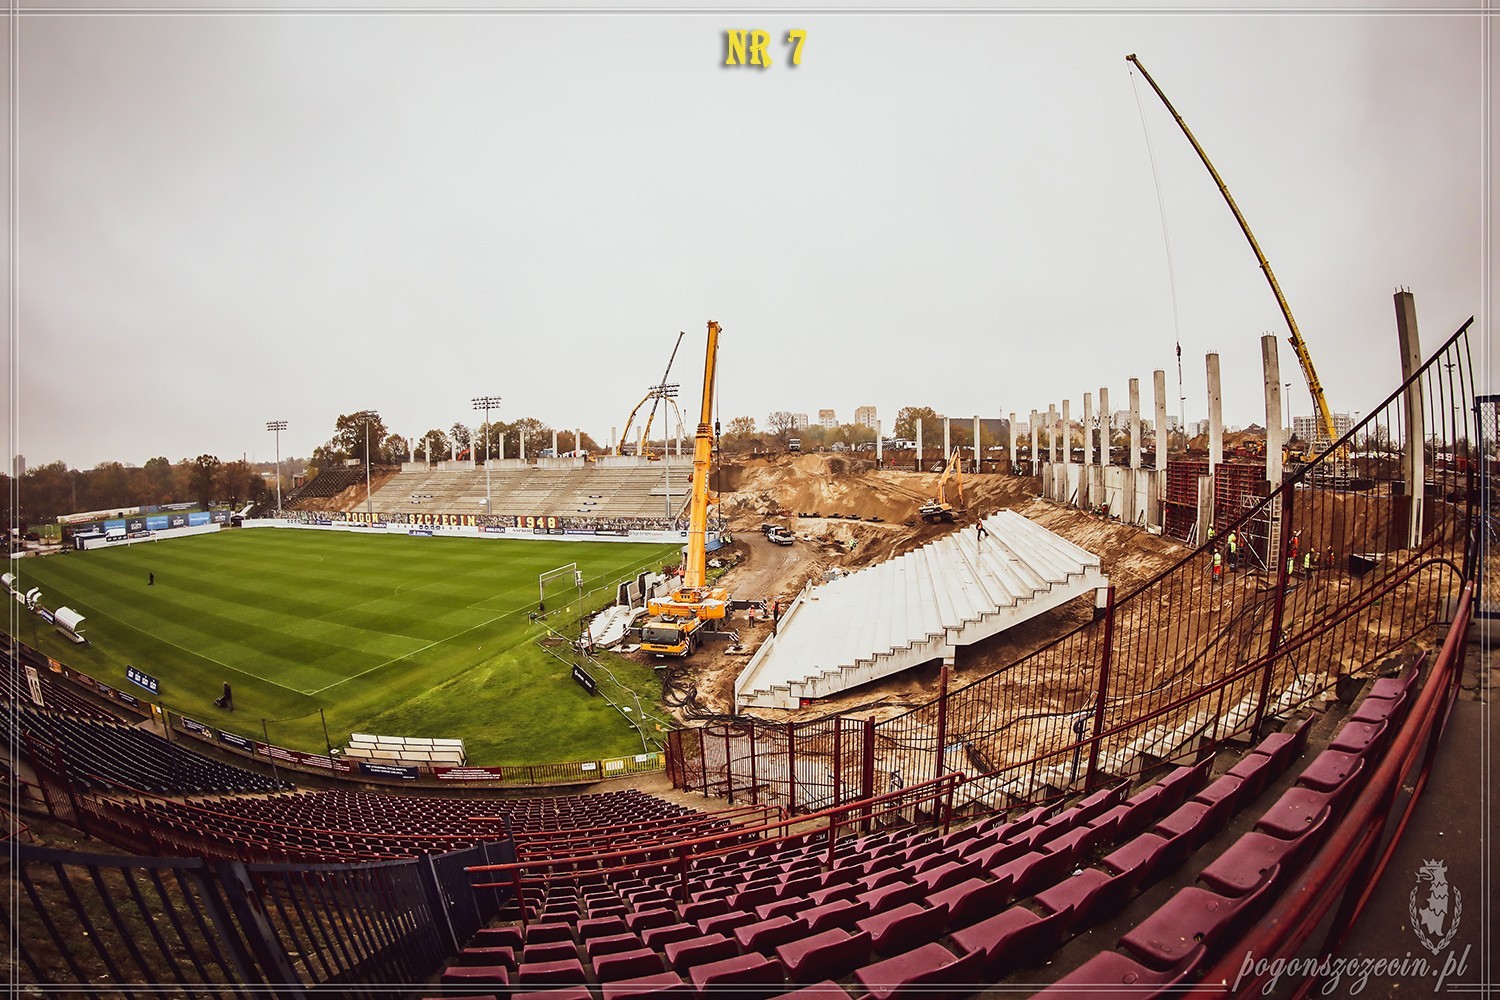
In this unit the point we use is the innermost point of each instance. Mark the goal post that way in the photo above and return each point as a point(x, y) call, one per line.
point(565, 578)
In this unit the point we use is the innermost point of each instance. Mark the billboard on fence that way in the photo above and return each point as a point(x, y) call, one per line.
point(469, 773)
point(157, 522)
point(388, 771)
point(135, 524)
point(199, 517)
point(237, 741)
point(194, 726)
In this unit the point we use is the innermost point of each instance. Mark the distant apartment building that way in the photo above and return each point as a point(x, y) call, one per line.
point(864, 416)
point(1198, 428)
point(827, 420)
point(1119, 420)
point(799, 421)
point(1311, 428)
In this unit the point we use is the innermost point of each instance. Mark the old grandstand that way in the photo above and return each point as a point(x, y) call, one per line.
point(624, 492)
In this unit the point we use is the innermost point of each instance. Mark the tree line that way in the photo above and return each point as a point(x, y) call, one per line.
point(47, 491)
point(353, 430)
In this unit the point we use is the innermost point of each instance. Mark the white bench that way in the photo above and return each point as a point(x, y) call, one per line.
point(406, 749)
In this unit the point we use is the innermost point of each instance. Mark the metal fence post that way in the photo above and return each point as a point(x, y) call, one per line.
point(754, 790)
point(838, 760)
point(1278, 611)
point(728, 766)
point(1104, 660)
point(942, 719)
point(250, 914)
point(867, 770)
point(791, 768)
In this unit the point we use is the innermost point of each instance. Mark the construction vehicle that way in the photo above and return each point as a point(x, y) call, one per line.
point(657, 393)
point(678, 621)
point(1315, 387)
point(941, 507)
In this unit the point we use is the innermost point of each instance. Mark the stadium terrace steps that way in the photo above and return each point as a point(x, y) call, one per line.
point(587, 491)
point(915, 608)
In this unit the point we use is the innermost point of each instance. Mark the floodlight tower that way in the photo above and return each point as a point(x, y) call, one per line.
point(364, 417)
point(278, 426)
point(487, 403)
point(665, 391)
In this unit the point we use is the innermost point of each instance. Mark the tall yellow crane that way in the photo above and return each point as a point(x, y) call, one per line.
point(1315, 387)
point(677, 620)
point(658, 393)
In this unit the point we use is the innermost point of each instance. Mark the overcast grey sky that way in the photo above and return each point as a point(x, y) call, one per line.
point(229, 219)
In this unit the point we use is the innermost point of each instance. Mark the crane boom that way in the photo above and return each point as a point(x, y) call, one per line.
point(695, 572)
point(1315, 387)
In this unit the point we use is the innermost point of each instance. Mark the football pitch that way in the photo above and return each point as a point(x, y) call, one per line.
point(389, 634)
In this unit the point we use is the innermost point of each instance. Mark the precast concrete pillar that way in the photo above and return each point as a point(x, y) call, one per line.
point(919, 444)
point(1067, 433)
point(947, 438)
point(978, 455)
point(1088, 430)
point(1012, 442)
point(879, 452)
point(1104, 420)
point(1052, 432)
point(1036, 431)
point(1163, 435)
point(1215, 415)
point(1271, 365)
point(1135, 423)
point(1413, 459)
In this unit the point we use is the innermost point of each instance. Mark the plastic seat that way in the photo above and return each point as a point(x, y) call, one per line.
point(907, 924)
point(1146, 857)
point(627, 965)
point(566, 972)
point(1255, 771)
point(829, 954)
point(662, 984)
point(971, 900)
point(921, 972)
point(949, 874)
point(826, 990)
point(843, 913)
point(600, 927)
point(612, 944)
point(1297, 811)
point(487, 955)
point(1358, 737)
point(1087, 895)
point(683, 955)
point(739, 976)
point(889, 897)
point(1013, 938)
point(1333, 771)
point(1193, 918)
point(544, 933)
point(1389, 710)
point(476, 975)
point(550, 951)
point(1103, 974)
point(659, 937)
point(764, 935)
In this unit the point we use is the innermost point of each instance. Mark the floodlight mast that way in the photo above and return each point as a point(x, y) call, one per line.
point(365, 416)
point(665, 391)
point(278, 426)
point(486, 403)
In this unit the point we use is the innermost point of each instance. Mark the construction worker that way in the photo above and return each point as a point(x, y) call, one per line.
point(1218, 567)
point(1210, 534)
point(1296, 541)
point(1309, 563)
point(1233, 544)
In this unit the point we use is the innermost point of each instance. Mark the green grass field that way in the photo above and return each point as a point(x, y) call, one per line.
point(388, 634)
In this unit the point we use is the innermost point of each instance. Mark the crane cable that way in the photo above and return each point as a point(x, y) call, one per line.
point(1161, 207)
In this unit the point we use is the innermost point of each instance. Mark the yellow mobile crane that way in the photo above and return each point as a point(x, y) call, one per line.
point(676, 621)
point(940, 508)
point(1320, 402)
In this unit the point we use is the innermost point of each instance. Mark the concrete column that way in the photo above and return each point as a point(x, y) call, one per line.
point(500, 447)
point(523, 445)
point(554, 444)
point(879, 451)
point(1135, 423)
point(1052, 432)
point(1012, 442)
point(612, 438)
point(578, 439)
point(978, 452)
point(1413, 461)
point(1067, 433)
point(1088, 430)
point(1215, 416)
point(1271, 365)
point(919, 444)
point(1163, 435)
point(1104, 417)
point(1036, 430)
point(947, 438)
point(640, 442)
